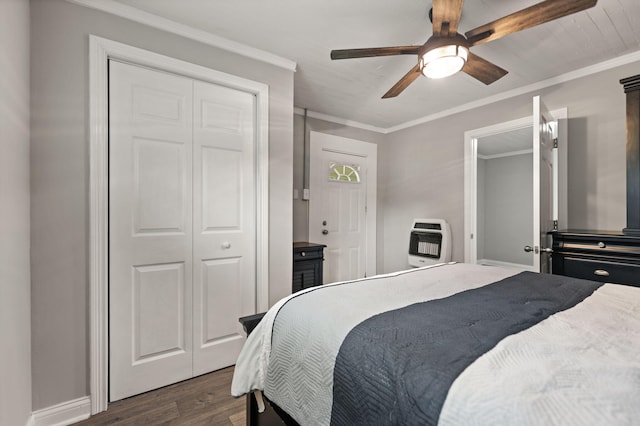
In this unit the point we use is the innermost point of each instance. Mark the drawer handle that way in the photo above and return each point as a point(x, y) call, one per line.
point(601, 273)
point(303, 254)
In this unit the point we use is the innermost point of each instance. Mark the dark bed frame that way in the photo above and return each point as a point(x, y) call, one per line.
point(272, 415)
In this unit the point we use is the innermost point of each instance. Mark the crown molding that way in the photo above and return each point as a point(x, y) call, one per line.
point(338, 120)
point(563, 78)
point(145, 18)
point(505, 154)
point(155, 21)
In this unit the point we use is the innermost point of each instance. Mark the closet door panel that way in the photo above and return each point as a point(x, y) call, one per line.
point(224, 222)
point(150, 229)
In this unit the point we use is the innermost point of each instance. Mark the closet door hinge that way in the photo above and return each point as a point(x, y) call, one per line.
point(555, 142)
point(555, 225)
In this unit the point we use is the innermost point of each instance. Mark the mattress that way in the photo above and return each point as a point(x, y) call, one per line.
point(577, 364)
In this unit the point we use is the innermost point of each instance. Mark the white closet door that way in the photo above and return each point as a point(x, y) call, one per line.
point(182, 227)
point(150, 227)
point(224, 223)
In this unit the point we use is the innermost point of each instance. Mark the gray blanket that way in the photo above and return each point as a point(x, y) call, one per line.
point(397, 367)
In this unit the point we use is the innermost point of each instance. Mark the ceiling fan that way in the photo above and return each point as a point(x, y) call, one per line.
point(446, 52)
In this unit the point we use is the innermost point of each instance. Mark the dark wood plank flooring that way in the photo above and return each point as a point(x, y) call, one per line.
point(203, 400)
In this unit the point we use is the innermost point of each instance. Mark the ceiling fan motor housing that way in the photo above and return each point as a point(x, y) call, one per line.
point(442, 56)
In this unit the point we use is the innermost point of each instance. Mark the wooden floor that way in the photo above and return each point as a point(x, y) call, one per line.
point(204, 400)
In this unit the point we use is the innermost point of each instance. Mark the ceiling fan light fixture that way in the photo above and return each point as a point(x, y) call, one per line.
point(443, 61)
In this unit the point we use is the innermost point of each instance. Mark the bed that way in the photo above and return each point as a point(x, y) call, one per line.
point(448, 344)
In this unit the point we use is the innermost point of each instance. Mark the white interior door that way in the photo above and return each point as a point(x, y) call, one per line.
point(224, 224)
point(342, 205)
point(544, 189)
point(543, 184)
point(181, 227)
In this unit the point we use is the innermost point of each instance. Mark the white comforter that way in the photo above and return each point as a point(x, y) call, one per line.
point(580, 366)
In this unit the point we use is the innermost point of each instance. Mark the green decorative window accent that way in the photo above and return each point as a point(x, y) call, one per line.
point(347, 173)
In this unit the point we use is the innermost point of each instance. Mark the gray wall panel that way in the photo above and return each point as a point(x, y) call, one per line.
point(15, 289)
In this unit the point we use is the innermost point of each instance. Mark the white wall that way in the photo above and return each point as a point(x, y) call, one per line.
point(60, 178)
point(480, 194)
point(421, 169)
point(15, 317)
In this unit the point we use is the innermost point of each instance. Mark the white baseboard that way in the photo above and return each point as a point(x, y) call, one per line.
point(62, 414)
point(491, 262)
point(31, 421)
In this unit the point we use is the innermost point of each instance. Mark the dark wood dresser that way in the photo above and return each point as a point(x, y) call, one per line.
point(307, 265)
point(597, 255)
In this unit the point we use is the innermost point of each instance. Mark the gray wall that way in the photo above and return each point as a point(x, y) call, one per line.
point(421, 172)
point(301, 207)
point(421, 169)
point(15, 319)
point(60, 178)
point(507, 212)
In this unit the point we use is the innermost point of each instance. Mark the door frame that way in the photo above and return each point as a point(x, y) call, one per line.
point(470, 174)
point(100, 51)
point(369, 151)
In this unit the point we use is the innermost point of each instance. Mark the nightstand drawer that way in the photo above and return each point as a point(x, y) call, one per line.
point(307, 254)
point(603, 271)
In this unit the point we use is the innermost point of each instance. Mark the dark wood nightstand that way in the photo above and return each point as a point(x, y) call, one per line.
point(307, 265)
point(603, 256)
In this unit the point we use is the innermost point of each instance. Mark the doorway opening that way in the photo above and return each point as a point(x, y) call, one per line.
point(515, 189)
point(505, 198)
point(342, 208)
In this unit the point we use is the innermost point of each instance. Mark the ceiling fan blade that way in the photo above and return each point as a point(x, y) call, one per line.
point(483, 70)
point(446, 16)
point(375, 51)
point(403, 83)
point(526, 18)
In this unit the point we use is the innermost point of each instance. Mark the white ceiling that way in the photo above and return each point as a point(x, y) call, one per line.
point(305, 31)
point(506, 143)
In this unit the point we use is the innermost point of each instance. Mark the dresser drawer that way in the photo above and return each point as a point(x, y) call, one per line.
point(603, 271)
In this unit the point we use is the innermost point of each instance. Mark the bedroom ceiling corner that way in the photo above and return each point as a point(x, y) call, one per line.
point(306, 31)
